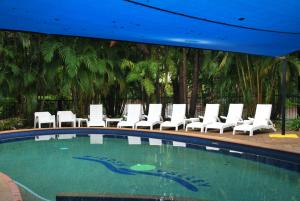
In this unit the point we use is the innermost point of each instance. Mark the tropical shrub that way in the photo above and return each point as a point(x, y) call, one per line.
point(294, 124)
point(11, 123)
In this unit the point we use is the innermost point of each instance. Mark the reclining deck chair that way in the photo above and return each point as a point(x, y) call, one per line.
point(153, 118)
point(234, 116)
point(96, 116)
point(177, 118)
point(43, 118)
point(210, 116)
point(134, 113)
point(261, 120)
point(66, 117)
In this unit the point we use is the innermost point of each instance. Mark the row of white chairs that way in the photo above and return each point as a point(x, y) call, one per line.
point(95, 118)
point(211, 119)
point(134, 118)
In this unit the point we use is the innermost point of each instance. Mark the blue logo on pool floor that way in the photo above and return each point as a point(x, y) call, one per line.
point(189, 182)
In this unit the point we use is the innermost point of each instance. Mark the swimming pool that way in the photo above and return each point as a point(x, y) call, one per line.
point(198, 171)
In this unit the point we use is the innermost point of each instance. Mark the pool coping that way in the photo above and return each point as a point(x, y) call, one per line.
point(9, 191)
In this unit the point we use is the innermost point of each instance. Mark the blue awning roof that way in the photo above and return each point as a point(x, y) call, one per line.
point(262, 27)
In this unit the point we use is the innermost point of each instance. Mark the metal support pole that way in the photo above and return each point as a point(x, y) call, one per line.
point(283, 97)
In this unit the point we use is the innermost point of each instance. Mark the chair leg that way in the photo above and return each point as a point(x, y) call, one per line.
point(251, 133)
point(160, 128)
point(151, 127)
point(176, 128)
point(202, 129)
point(39, 125)
point(233, 132)
point(221, 131)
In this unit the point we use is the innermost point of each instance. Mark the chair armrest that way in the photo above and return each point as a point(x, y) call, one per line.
point(169, 116)
point(144, 116)
point(251, 119)
point(247, 122)
point(223, 117)
point(240, 122)
point(201, 117)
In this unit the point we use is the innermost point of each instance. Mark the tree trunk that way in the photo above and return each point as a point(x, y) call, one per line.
point(157, 87)
point(183, 78)
point(175, 86)
point(195, 84)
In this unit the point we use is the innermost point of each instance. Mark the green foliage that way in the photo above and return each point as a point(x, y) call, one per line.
point(294, 124)
point(91, 71)
point(11, 123)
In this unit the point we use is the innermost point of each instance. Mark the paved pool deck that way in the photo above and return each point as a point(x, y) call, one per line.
point(8, 189)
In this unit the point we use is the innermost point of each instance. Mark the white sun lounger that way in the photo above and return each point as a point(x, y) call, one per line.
point(96, 116)
point(153, 118)
point(66, 117)
point(210, 116)
point(234, 116)
point(177, 118)
point(134, 113)
point(261, 120)
point(43, 118)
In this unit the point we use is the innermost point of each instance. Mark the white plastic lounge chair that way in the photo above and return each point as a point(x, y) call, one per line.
point(210, 116)
point(153, 118)
point(43, 118)
point(134, 113)
point(261, 120)
point(234, 116)
point(66, 117)
point(177, 118)
point(96, 116)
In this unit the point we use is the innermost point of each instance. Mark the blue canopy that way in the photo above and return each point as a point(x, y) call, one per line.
point(262, 27)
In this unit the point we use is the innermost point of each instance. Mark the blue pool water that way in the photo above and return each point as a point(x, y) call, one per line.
point(49, 167)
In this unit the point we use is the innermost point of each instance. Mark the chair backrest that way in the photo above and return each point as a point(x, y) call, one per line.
point(134, 112)
point(154, 112)
point(42, 116)
point(262, 114)
point(211, 113)
point(65, 116)
point(178, 113)
point(96, 112)
point(234, 113)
